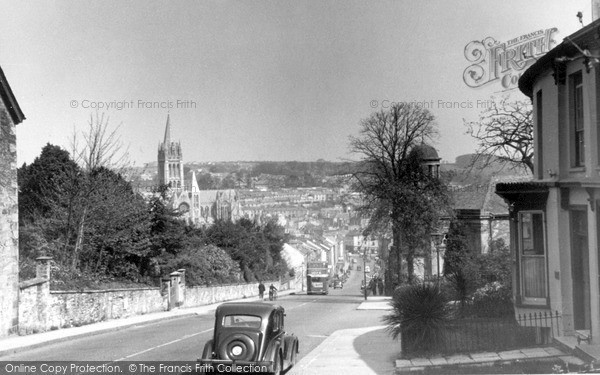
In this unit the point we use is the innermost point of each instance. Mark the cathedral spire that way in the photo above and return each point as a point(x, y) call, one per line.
point(195, 187)
point(168, 131)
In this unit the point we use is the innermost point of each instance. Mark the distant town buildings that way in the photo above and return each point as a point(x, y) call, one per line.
point(324, 222)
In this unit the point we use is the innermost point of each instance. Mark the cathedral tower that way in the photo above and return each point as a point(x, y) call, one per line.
point(170, 161)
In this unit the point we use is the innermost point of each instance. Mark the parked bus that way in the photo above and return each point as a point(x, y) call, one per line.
point(317, 279)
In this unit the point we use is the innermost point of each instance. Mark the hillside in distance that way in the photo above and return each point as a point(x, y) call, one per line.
point(466, 169)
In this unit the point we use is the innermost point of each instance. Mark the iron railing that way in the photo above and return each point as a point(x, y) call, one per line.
point(485, 334)
point(546, 319)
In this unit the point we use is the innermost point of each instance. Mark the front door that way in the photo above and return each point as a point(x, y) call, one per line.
point(580, 269)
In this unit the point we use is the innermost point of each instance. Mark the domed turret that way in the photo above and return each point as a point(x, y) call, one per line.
point(427, 152)
point(429, 158)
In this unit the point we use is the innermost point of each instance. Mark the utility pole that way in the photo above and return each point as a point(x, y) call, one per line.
point(365, 271)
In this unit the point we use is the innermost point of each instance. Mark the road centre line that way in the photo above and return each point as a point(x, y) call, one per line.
point(187, 337)
point(161, 345)
point(302, 304)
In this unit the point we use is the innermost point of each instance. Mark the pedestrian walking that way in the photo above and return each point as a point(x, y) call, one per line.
point(261, 290)
point(374, 286)
point(380, 286)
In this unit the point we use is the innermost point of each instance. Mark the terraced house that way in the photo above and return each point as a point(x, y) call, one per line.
point(555, 218)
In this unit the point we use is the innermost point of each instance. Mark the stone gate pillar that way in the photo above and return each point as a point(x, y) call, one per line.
point(165, 284)
point(42, 267)
point(182, 285)
point(174, 297)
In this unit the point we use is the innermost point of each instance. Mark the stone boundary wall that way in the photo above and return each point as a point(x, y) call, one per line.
point(73, 308)
point(205, 295)
point(41, 309)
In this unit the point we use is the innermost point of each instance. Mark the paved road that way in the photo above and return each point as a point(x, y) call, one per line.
point(311, 318)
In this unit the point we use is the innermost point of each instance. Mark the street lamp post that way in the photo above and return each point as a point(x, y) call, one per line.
point(438, 239)
point(437, 263)
point(365, 271)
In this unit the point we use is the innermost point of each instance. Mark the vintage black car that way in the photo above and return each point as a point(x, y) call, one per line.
point(249, 337)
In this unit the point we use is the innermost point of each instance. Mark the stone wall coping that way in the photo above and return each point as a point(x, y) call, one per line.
point(151, 288)
point(32, 282)
point(238, 284)
point(101, 290)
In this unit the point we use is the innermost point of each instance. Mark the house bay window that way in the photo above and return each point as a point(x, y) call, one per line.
point(527, 204)
point(532, 258)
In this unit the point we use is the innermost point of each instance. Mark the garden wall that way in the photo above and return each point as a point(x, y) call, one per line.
point(41, 309)
point(76, 308)
point(201, 295)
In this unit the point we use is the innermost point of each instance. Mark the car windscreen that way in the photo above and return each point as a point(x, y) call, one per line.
point(240, 320)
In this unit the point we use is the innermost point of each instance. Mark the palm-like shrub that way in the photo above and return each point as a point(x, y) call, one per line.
point(420, 316)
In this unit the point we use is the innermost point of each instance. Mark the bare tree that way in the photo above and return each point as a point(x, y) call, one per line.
point(504, 132)
point(397, 192)
point(101, 148)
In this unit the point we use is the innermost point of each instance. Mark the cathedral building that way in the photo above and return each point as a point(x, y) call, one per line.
point(199, 207)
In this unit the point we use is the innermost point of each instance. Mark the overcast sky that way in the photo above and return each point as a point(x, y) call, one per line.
point(255, 80)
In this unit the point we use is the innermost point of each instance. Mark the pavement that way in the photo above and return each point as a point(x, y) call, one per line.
point(372, 351)
point(486, 359)
point(358, 351)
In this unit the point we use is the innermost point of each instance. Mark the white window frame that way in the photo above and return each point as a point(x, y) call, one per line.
point(525, 300)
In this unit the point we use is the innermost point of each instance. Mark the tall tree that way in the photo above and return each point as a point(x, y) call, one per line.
point(239, 240)
point(41, 182)
point(101, 148)
point(53, 200)
point(167, 230)
point(48, 188)
point(398, 194)
point(257, 249)
point(117, 229)
point(504, 132)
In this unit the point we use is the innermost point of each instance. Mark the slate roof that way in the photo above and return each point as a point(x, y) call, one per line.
point(9, 100)
point(483, 197)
